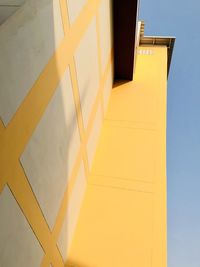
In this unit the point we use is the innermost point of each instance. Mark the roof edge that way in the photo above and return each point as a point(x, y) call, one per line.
point(168, 41)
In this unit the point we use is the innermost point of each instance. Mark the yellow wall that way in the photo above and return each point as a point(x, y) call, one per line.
point(56, 77)
point(123, 217)
point(56, 80)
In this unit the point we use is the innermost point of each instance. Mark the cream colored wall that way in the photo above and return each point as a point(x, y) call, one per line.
point(28, 41)
point(87, 68)
point(17, 239)
point(105, 24)
point(94, 135)
point(56, 77)
point(72, 214)
point(74, 8)
point(52, 150)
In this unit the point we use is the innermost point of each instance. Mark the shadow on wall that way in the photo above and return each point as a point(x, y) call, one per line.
point(8, 8)
point(76, 264)
point(28, 41)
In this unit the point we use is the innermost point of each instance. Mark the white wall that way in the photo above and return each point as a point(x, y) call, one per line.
point(28, 40)
point(71, 218)
point(18, 244)
point(105, 24)
point(52, 150)
point(86, 59)
point(74, 9)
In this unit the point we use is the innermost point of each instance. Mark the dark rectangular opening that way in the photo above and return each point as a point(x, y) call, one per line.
point(124, 30)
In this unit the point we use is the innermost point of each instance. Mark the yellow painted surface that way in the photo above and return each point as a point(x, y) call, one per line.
point(2, 128)
point(65, 17)
point(123, 217)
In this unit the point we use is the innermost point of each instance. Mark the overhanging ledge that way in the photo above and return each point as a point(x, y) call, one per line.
point(168, 41)
point(160, 41)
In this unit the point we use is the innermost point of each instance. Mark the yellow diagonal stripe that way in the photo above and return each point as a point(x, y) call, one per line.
point(64, 15)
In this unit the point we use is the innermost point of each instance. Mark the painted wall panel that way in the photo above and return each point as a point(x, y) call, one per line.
point(105, 18)
point(30, 37)
point(18, 244)
point(144, 103)
point(94, 136)
point(73, 210)
point(74, 8)
point(51, 152)
point(86, 60)
point(125, 144)
point(105, 236)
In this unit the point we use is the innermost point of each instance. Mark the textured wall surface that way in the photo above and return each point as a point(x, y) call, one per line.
point(28, 41)
point(87, 70)
point(52, 150)
point(19, 246)
point(56, 78)
point(75, 8)
point(94, 135)
point(105, 25)
point(8, 8)
point(72, 214)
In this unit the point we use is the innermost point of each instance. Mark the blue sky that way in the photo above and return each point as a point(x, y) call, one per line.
point(181, 18)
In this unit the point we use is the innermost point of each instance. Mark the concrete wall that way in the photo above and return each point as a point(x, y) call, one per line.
point(8, 8)
point(56, 78)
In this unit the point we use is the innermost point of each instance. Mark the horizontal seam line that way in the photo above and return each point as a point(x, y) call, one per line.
point(121, 188)
point(121, 178)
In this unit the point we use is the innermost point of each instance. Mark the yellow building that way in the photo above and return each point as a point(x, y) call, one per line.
point(82, 136)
